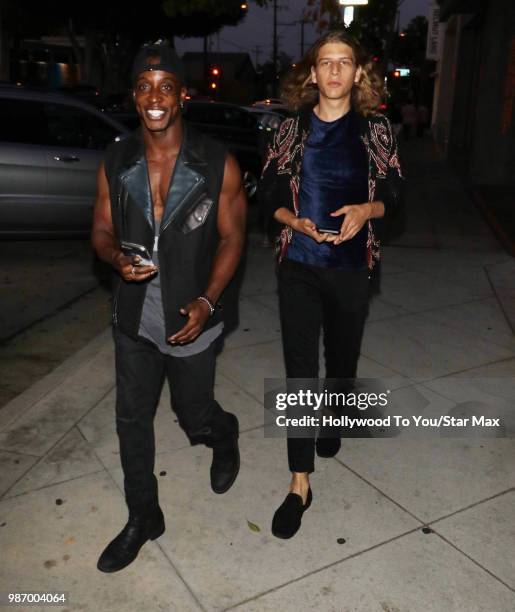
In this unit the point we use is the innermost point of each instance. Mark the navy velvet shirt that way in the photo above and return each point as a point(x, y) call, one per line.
point(334, 173)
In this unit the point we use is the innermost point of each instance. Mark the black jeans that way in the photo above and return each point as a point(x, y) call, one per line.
point(140, 372)
point(310, 299)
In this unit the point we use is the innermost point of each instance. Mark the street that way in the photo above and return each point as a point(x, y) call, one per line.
point(55, 299)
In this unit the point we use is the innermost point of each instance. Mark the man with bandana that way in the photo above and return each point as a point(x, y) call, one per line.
point(178, 196)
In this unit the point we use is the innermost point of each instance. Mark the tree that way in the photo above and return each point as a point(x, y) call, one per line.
point(202, 17)
point(108, 28)
point(114, 29)
point(323, 13)
point(409, 49)
point(373, 25)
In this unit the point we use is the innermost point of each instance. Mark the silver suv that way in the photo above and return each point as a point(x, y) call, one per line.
point(50, 148)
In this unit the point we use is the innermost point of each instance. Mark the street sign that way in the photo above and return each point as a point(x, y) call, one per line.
point(433, 33)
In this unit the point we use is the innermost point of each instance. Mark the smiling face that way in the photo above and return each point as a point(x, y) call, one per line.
point(157, 97)
point(335, 71)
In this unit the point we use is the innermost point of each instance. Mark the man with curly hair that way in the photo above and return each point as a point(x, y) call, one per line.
point(331, 177)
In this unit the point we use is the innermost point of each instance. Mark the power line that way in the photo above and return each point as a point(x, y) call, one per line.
point(228, 42)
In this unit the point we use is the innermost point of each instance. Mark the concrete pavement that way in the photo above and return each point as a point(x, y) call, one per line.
point(397, 525)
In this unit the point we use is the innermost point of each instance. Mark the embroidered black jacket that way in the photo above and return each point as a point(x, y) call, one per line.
point(280, 178)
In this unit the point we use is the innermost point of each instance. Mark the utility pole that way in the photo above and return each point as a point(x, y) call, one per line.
point(206, 64)
point(3, 63)
point(274, 53)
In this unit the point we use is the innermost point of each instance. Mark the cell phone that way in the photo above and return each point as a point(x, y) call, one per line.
point(131, 249)
point(322, 230)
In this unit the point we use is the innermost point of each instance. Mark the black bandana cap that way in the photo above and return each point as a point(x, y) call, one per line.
point(169, 61)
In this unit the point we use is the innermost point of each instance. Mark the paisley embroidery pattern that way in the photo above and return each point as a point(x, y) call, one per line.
point(288, 147)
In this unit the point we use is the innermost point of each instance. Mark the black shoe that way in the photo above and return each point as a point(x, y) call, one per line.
point(288, 516)
point(226, 460)
point(125, 547)
point(328, 447)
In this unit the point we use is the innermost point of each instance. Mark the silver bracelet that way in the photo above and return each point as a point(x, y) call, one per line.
point(204, 298)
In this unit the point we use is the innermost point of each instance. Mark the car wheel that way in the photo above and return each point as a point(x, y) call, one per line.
point(249, 183)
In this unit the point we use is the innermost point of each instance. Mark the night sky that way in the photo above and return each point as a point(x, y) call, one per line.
point(257, 29)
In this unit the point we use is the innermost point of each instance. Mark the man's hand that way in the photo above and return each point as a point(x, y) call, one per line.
point(104, 240)
point(129, 270)
point(306, 226)
point(356, 215)
point(198, 313)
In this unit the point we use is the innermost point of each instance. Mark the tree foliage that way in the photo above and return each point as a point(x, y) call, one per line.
point(323, 13)
point(202, 17)
point(373, 24)
point(410, 49)
point(155, 19)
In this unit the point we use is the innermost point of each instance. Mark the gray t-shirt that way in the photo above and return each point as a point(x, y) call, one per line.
point(152, 325)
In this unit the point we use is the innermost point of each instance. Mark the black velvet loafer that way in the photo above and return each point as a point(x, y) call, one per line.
point(288, 516)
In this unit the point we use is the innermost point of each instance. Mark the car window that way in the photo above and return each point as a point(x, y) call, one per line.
point(220, 115)
point(70, 126)
point(200, 113)
point(22, 121)
point(238, 118)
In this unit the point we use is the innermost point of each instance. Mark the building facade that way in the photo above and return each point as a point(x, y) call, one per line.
point(475, 89)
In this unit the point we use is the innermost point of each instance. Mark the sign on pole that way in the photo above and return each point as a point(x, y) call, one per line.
point(433, 33)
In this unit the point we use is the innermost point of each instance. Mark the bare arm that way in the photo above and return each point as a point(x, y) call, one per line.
point(232, 214)
point(232, 211)
point(103, 237)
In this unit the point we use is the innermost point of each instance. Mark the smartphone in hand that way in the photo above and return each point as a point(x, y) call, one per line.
point(131, 249)
point(322, 230)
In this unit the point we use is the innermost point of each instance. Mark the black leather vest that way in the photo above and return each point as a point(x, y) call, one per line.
point(188, 236)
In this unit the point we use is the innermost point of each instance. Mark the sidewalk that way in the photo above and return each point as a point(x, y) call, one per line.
point(446, 312)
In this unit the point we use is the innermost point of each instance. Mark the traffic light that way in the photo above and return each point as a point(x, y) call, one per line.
point(215, 72)
point(401, 73)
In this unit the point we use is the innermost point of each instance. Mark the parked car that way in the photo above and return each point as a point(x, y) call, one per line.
point(268, 120)
point(116, 103)
point(86, 93)
point(269, 102)
point(273, 104)
point(50, 148)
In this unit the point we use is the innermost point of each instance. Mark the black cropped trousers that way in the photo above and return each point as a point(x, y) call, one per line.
point(314, 299)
